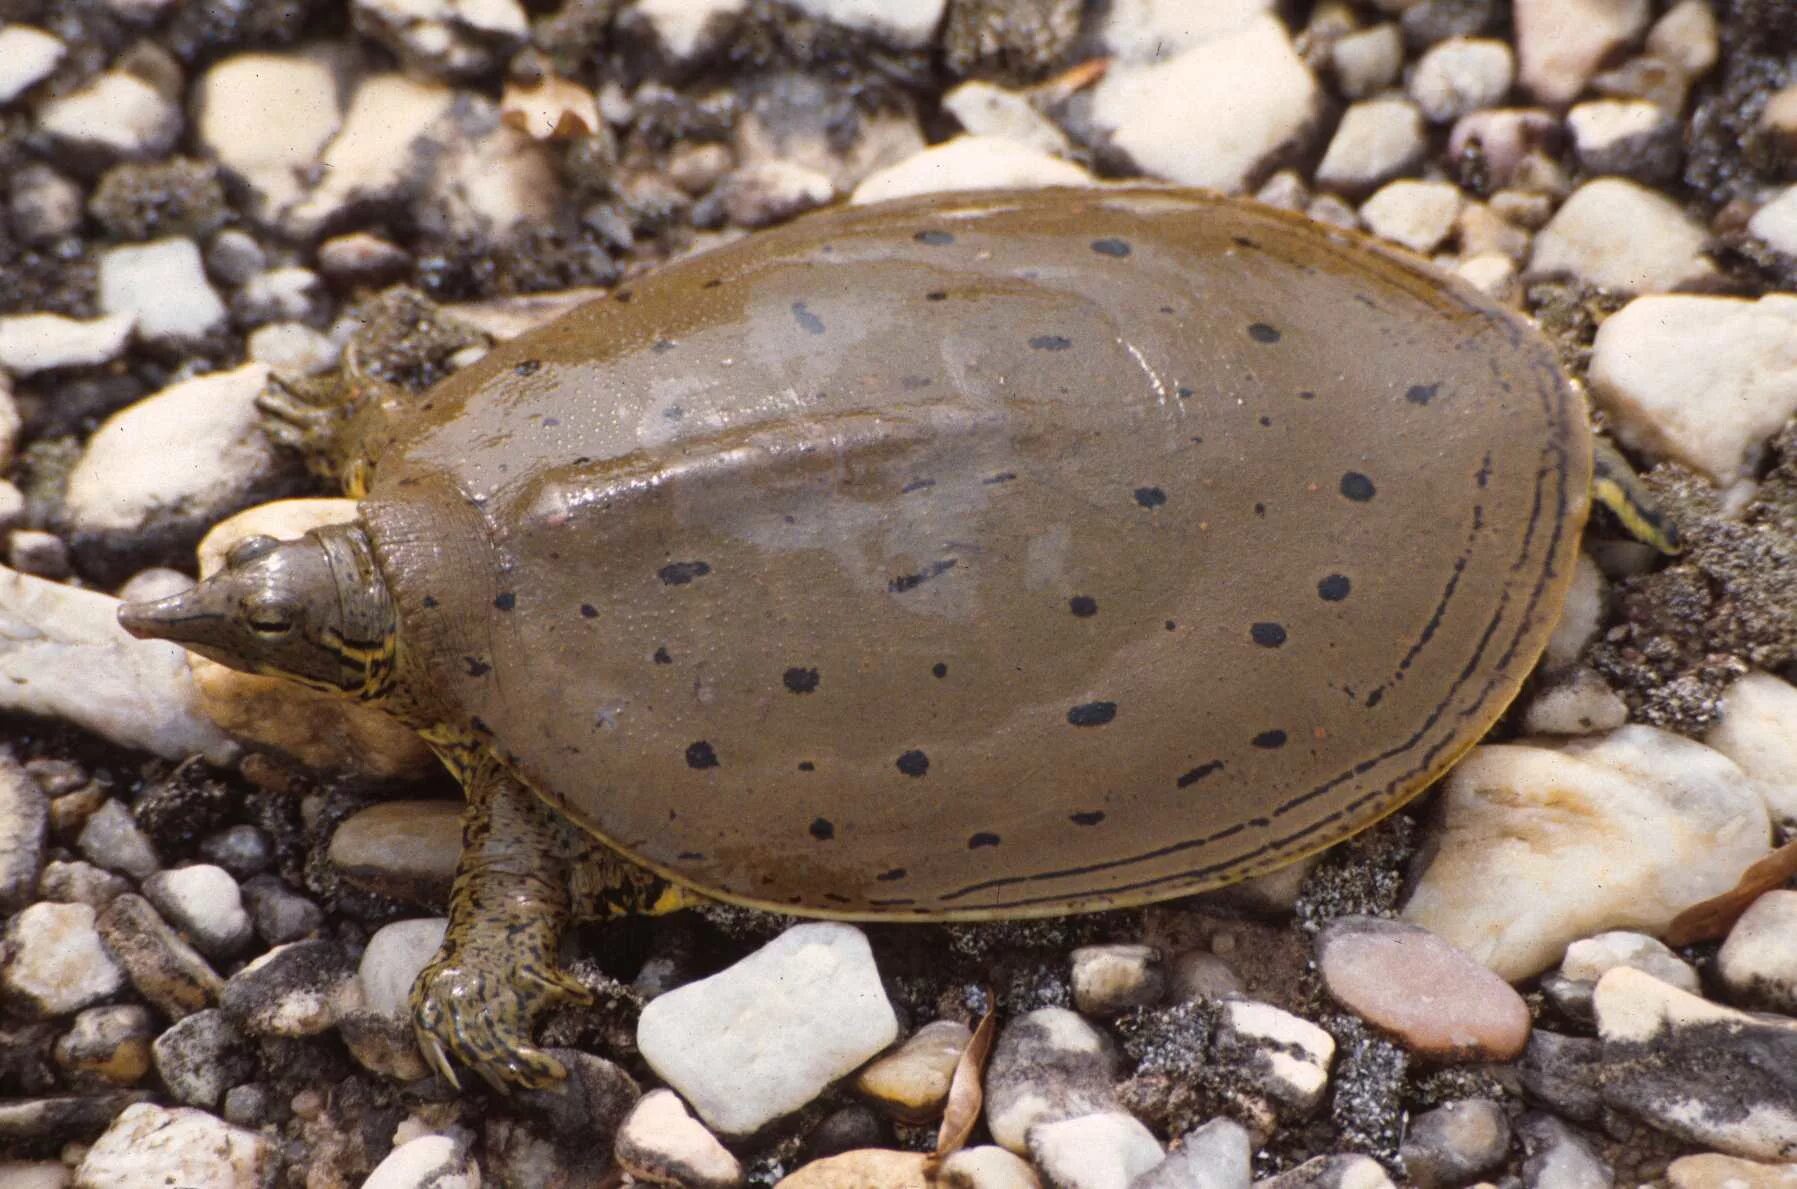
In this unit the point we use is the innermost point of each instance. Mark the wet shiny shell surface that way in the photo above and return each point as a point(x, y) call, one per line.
point(991, 555)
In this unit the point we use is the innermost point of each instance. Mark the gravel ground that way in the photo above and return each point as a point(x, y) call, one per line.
point(215, 893)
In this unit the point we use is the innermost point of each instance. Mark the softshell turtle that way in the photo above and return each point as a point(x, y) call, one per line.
point(984, 555)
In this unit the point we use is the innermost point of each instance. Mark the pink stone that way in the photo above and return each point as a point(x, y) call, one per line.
point(1432, 996)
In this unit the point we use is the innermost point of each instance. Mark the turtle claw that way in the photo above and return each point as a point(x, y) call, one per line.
point(483, 1022)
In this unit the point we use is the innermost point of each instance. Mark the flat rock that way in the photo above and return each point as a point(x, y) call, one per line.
point(163, 286)
point(1707, 1074)
point(1047, 1066)
point(24, 825)
point(184, 456)
point(1561, 43)
point(240, 102)
point(52, 962)
point(79, 882)
point(451, 39)
point(1461, 75)
point(1701, 380)
point(1283, 1056)
point(1618, 831)
point(1716, 1171)
point(864, 1168)
point(111, 838)
point(908, 24)
point(1377, 140)
point(1456, 1143)
point(970, 163)
point(164, 969)
point(1332, 1172)
point(427, 1162)
point(206, 904)
point(299, 989)
point(1758, 962)
point(663, 1144)
point(404, 849)
point(28, 56)
point(280, 914)
point(1367, 61)
point(32, 343)
point(1102, 1151)
point(911, 1082)
point(154, 1145)
point(1757, 732)
point(1577, 701)
point(385, 148)
point(201, 1057)
point(1153, 30)
point(1214, 115)
point(1436, 999)
point(1590, 958)
point(815, 985)
point(1418, 215)
point(115, 115)
point(1218, 1155)
point(1617, 235)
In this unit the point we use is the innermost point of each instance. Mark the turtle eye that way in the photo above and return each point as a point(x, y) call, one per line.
point(268, 617)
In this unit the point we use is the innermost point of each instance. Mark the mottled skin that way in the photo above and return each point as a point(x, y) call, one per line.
point(984, 555)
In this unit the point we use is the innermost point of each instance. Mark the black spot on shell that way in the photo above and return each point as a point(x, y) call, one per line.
point(527, 367)
point(1092, 714)
point(913, 383)
point(1087, 819)
point(1051, 342)
point(479, 726)
point(913, 763)
point(1422, 394)
point(1266, 423)
point(939, 670)
point(623, 295)
point(429, 603)
point(1267, 635)
point(662, 346)
point(691, 856)
point(505, 601)
point(1084, 606)
point(713, 283)
point(701, 755)
point(1269, 740)
point(1374, 698)
point(935, 295)
point(1150, 497)
point(1334, 588)
point(807, 766)
point(1111, 247)
point(916, 485)
point(1307, 394)
point(936, 239)
point(822, 829)
point(1171, 626)
point(661, 656)
point(905, 582)
point(809, 322)
point(1357, 487)
point(1001, 477)
point(889, 876)
point(1199, 773)
point(679, 573)
point(588, 611)
point(551, 422)
point(982, 839)
point(1183, 392)
point(476, 666)
point(1242, 241)
point(1260, 332)
point(1260, 509)
point(800, 680)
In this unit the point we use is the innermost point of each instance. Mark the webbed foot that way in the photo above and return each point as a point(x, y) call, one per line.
point(480, 1016)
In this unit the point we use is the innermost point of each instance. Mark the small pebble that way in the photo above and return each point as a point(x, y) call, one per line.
point(1756, 732)
point(1461, 75)
point(280, 914)
point(986, 110)
point(1378, 139)
point(1578, 702)
point(1631, 137)
point(33, 551)
point(1590, 958)
point(1564, 1073)
point(24, 830)
point(404, 849)
point(1561, 43)
point(110, 1045)
point(1716, 1171)
point(1687, 37)
point(1332, 1172)
point(242, 850)
point(1615, 234)
point(115, 115)
point(201, 1057)
point(660, 1142)
point(388, 129)
point(45, 205)
point(163, 286)
point(1108, 979)
point(1504, 146)
point(205, 903)
point(293, 348)
point(1217, 1155)
point(1418, 215)
point(447, 40)
point(1367, 61)
point(865, 1168)
point(234, 256)
point(54, 962)
point(1775, 223)
point(1283, 1056)
point(1200, 974)
point(1102, 1151)
point(428, 1162)
point(28, 56)
point(968, 163)
point(155, 1145)
point(298, 989)
point(76, 882)
point(1560, 1158)
point(1456, 1143)
point(1758, 962)
point(911, 1083)
point(162, 967)
point(1047, 1066)
point(31, 343)
point(111, 839)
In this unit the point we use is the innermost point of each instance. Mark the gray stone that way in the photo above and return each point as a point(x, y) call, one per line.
point(166, 970)
point(1332, 1172)
point(205, 903)
point(1560, 1158)
point(1283, 1056)
point(299, 989)
point(111, 839)
point(1102, 1151)
point(1111, 978)
point(1631, 137)
point(52, 961)
point(280, 914)
point(107, 1046)
point(201, 1057)
point(76, 882)
point(661, 1143)
point(1456, 1143)
point(242, 850)
point(1218, 1155)
point(1047, 1066)
point(24, 822)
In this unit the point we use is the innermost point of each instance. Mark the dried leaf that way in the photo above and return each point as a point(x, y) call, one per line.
point(1713, 918)
point(551, 109)
point(965, 1095)
point(1071, 81)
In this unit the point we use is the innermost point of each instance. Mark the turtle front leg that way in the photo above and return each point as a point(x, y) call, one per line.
point(477, 1000)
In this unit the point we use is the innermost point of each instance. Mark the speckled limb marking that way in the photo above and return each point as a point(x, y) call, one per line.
point(525, 871)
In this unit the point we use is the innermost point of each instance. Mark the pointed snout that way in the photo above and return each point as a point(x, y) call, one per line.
point(178, 617)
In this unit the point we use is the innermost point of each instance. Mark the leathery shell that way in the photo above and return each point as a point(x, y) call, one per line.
point(991, 554)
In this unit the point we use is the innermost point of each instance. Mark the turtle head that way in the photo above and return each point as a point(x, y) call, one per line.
point(315, 610)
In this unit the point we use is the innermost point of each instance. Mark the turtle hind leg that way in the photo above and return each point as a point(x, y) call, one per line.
point(1615, 485)
point(476, 1001)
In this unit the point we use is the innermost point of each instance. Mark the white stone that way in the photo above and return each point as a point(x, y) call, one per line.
point(117, 114)
point(205, 903)
point(1105, 1151)
point(1620, 831)
point(686, 27)
point(909, 24)
point(392, 961)
point(38, 342)
point(1377, 139)
point(1461, 75)
point(63, 655)
point(33, 1174)
point(1560, 43)
point(450, 38)
point(970, 163)
point(55, 962)
point(493, 178)
point(1366, 62)
point(383, 148)
point(912, 1081)
point(427, 1162)
point(153, 1145)
point(27, 57)
point(1775, 224)
point(1418, 215)
point(1758, 731)
point(1152, 30)
point(266, 118)
point(663, 1144)
point(988, 1167)
point(1580, 616)
point(1703, 380)
point(1218, 1155)
point(1579, 702)
point(163, 285)
point(1621, 135)
point(1590, 958)
point(1286, 1056)
point(1758, 962)
point(1215, 114)
point(1712, 1170)
point(1687, 37)
point(1617, 235)
point(986, 110)
point(815, 988)
point(293, 348)
point(188, 451)
point(1047, 1065)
